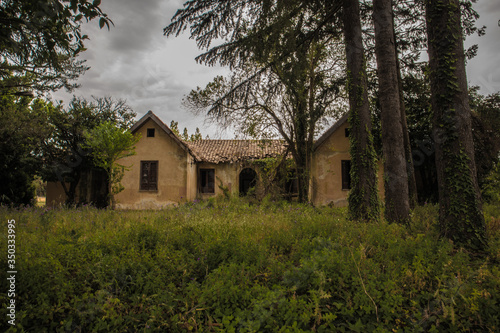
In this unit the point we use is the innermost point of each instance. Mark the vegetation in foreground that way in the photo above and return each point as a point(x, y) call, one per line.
point(228, 265)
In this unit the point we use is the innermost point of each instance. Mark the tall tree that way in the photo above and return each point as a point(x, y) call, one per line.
point(460, 209)
point(67, 160)
point(108, 144)
point(363, 196)
point(282, 38)
point(290, 100)
point(23, 127)
point(397, 206)
point(39, 42)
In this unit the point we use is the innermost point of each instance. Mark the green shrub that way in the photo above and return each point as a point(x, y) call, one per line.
point(231, 265)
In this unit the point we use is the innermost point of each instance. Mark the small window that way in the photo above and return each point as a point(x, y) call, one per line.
point(207, 180)
point(347, 132)
point(149, 176)
point(151, 133)
point(346, 175)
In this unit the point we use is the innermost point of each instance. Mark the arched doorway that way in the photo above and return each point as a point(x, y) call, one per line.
point(248, 179)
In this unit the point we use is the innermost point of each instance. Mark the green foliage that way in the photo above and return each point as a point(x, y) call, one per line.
point(174, 127)
point(276, 177)
point(108, 144)
point(461, 219)
point(286, 70)
point(225, 190)
point(491, 189)
point(69, 162)
point(23, 130)
point(227, 265)
point(40, 41)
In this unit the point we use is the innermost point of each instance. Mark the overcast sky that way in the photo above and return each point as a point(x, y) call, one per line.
point(135, 62)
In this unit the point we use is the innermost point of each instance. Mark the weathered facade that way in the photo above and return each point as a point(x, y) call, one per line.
point(330, 167)
point(166, 170)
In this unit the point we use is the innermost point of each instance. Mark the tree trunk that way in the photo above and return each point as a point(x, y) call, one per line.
point(363, 196)
point(397, 206)
point(111, 196)
point(460, 211)
point(301, 159)
point(410, 168)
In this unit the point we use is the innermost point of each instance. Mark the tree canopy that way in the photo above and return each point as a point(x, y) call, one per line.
point(66, 159)
point(23, 129)
point(39, 43)
point(108, 144)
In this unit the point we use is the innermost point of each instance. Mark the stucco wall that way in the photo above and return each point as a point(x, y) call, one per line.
point(228, 174)
point(326, 170)
point(225, 173)
point(173, 166)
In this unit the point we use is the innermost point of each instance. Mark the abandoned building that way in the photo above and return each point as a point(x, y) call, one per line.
point(167, 170)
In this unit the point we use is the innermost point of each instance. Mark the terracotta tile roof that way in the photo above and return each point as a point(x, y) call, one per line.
point(230, 151)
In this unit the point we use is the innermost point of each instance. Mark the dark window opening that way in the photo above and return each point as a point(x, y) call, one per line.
point(346, 175)
point(248, 179)
point(149, 176)
point(151, 133)
point(207, 180)
point(347, 130)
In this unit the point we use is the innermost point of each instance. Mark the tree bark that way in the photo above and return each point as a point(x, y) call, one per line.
point(460, 210)
point(397, 206)
point(302, 152)
point(410, 168)
point(363, 196)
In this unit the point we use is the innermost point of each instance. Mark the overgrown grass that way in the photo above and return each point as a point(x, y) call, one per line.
point(228, 265)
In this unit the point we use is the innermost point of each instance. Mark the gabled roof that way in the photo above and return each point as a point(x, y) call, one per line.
point(168, 131)
point(330, 131)
point(231, 151)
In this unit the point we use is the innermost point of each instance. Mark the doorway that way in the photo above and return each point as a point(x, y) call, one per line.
point(248, 179)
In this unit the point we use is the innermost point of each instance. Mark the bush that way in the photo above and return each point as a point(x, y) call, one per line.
point(233, 266)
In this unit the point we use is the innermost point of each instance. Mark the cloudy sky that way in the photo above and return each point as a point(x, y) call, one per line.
point(135, 62)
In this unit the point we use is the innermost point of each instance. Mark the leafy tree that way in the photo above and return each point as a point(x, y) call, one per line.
point(486, 132)
point(39, 42)
point(291, 101)
point(69, 161)
point(23, 127)
point(485, 129)
point(196, 136)
point(460, 214)
point(282, 82)
point(491, 189)
point(108, 144)
point(174, 127)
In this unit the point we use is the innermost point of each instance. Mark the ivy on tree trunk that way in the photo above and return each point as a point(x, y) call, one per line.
point(363, 196)
point(460, 210)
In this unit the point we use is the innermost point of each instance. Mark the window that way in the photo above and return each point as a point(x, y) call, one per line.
point(150, 133)
point(149, 176)
point(207, 180)
point(346, 132)
point(346, 175)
